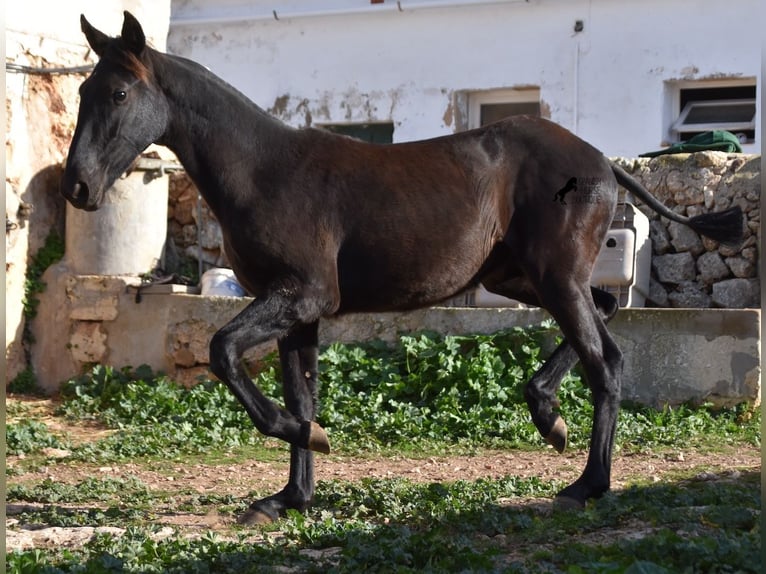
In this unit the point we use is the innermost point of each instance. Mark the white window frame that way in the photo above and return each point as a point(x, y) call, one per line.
point(675, 116)
point(681, 126)
point(477, 99)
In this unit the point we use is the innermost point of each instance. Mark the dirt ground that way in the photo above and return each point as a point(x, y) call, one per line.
point(240, 478)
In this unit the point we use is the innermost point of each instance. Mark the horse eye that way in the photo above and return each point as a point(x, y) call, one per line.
point(119, 96)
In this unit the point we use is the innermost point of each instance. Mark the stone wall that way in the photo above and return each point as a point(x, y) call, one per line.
point(688, 271)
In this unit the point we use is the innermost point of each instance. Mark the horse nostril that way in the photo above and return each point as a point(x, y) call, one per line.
point(80, 192)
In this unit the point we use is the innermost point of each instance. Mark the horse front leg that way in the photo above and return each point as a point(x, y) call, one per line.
point(298, 353)
point(263, 320)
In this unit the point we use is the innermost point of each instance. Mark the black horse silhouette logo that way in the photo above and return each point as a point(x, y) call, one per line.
point(571, 185)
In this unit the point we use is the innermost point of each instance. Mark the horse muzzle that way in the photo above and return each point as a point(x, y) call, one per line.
point(80, 195)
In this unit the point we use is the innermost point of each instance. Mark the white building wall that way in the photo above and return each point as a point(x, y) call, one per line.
point(350, 61)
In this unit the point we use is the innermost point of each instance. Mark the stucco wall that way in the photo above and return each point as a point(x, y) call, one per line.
point(607, 83)
point(41, 113)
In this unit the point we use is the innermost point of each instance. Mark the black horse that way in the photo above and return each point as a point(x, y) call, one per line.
point(317, 224)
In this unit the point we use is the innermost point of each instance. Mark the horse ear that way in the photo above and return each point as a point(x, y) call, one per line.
point(96, 39)
point(133, 34)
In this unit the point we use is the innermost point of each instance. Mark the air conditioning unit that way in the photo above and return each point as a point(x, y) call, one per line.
point(622, 268)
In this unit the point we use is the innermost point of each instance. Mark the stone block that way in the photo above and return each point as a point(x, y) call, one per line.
point(657, 294)
point(674, 267)
point(689, 295)
point(188, 342)
point(711, 267)
point(94, 297)
point(659, 236)
point(88, 342)
point(684, 238)
point(736, 293)
point(741, 267)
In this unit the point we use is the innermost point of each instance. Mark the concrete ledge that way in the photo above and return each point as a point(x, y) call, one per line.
point(671, 355)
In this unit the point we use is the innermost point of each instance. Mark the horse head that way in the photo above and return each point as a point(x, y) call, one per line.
point(122, 111)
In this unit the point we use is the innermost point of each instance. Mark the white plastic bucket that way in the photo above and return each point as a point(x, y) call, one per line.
point(221, 282)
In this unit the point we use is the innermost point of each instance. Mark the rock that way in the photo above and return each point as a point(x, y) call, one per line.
point(88, 342)
point(736, 293)
point(684, 238)
point(741, 267)
point(659, 236)
point(711, 267)
point(712, 159)
point(674, 267)
point(657, 294)
point(689, 295)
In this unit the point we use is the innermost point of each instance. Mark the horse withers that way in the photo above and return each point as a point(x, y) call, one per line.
point(316, 225)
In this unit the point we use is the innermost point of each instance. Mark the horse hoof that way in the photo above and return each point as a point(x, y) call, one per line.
point(253, 517)
point(566, 503)
point(318, 440)
point(557, 438)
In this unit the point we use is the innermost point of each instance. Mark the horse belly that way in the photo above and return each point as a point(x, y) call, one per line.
point(379, 280)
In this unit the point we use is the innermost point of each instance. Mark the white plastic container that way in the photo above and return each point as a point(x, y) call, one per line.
point(221, 283)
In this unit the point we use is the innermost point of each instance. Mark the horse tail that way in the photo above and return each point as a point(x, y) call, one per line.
point(723, 226)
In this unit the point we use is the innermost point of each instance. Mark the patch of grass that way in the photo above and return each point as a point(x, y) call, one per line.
point(89, 490)
point(30, 436)
point(154, 415)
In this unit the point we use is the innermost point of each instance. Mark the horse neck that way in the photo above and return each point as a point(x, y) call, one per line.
point(213, 128)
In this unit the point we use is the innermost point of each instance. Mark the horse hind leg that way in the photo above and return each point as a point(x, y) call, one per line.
point(540, 392)
point(585, 330)
point(582, 317)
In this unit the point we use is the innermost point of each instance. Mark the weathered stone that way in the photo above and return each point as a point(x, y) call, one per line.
point(689, 295)
point(188, 342)
point(658, 233)
point(94, 298)
point(712, 159)
point(684, 238)
point(206, 255)
point(727, 250)
point(674, 267)
point(689, 195)
point(750, 253)
point(188, 235)
point(736, 293)
point(741, 267)
point(183, 212)
point(184, 357)
point(211, 236)
point(88, 342)
point(657, 295)
point(711, 267)
point(709, 196)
